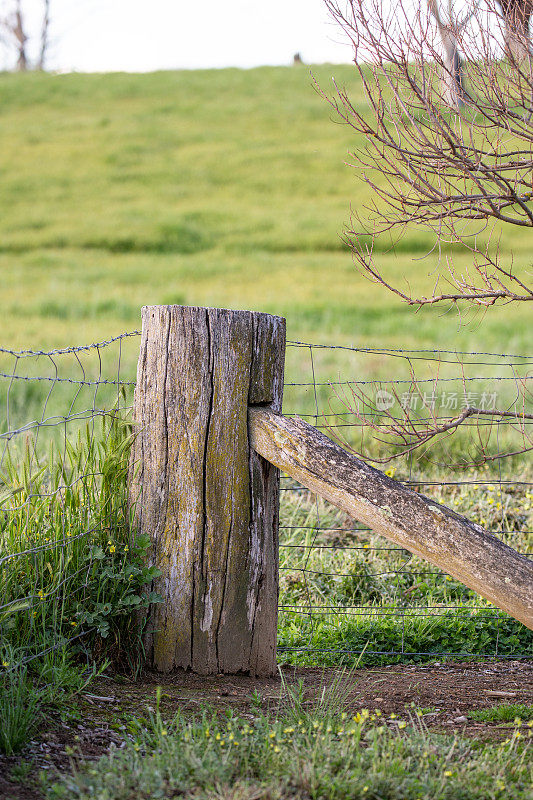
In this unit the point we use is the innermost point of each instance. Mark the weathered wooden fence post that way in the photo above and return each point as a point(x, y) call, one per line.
point(207, 500)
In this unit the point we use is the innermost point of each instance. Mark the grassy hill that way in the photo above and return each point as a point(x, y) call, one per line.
point(223, 188)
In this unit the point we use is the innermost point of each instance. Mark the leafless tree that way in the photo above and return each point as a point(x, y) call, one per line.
point(14, 33)
point(43, 49)
point(517, 16)
point(454, 156)
point(455, 171)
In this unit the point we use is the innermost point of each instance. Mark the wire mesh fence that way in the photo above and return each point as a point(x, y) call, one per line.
point(344, 589)
point(69, 574)
point(64, 570)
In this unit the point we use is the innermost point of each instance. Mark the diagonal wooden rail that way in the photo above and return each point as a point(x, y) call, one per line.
point(432, 531)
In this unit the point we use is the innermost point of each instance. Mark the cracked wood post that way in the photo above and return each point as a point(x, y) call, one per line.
point(429, 530)
point(208, 502)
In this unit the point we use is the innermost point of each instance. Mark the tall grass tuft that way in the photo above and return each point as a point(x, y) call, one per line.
point(19, 707)
point(71, 575)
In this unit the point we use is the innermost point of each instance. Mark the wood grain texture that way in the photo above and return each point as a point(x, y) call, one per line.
point(208, 502)
point(429, 530)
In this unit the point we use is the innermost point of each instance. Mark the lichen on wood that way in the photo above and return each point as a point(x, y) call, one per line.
point(429, 530)
point(208, 502)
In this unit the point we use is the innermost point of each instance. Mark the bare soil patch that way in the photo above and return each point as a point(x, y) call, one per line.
point(446, 693)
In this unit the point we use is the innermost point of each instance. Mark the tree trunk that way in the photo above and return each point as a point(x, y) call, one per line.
point(452, 74)
point(44, 35)
point(517, 37)
point(453, 92)
point(21, 38)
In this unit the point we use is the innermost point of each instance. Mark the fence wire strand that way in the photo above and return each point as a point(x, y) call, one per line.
point(343, 589)
point(62, 424)
point(352, 586)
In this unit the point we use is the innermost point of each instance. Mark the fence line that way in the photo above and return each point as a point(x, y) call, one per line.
point(318, 589)
point(53, 513)
point(324, 418)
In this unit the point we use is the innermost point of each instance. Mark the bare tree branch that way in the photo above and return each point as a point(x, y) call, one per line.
point(459, 173)
point(403, 431)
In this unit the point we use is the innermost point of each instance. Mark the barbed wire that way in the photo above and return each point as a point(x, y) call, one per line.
point(399, 382)
point(53, 379)
point(410, 353)
point(397, 598)
point(58, 527)
point(331, 567)
point(70, 349)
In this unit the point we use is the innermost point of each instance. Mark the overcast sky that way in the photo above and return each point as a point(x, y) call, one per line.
point(142, 35)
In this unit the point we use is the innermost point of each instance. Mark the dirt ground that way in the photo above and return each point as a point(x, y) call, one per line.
point(446, 693)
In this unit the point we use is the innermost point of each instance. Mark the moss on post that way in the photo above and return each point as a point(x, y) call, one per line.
point(208, 502)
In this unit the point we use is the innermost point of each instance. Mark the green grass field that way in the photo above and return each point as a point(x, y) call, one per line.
point(224, 188)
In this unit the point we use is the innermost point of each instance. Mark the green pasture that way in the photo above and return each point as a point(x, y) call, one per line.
point(227, 188)
point(224, 188)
